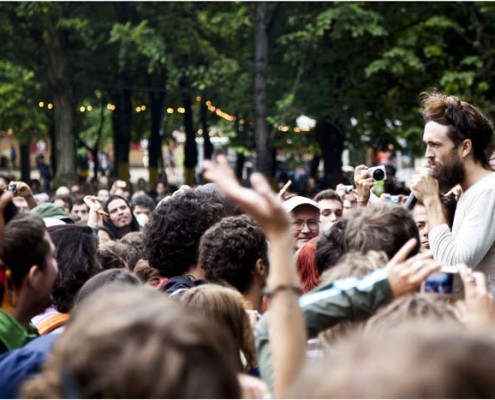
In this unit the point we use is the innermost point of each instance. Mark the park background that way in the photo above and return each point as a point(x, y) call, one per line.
point(280, 86)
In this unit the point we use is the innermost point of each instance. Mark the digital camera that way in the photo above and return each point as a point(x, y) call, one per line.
point(446, 283)
point(378, 173)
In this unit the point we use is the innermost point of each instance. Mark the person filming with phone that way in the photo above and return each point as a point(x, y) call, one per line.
point(458, 139)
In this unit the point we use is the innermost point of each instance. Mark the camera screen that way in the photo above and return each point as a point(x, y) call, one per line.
point(440, 282)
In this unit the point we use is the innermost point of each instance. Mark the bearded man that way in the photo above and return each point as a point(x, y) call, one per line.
point(458, 138)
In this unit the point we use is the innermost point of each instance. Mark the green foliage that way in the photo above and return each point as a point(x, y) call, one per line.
point(138, 40)
point(365, 61)
point(19, 111)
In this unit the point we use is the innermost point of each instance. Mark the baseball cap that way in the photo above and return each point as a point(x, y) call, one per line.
point(52, 211)
point(296, 201)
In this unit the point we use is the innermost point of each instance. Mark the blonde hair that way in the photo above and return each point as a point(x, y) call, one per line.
point(418, 306)
point(355, 264)
point(134, 342)
point(226, 306)
point(417, 360)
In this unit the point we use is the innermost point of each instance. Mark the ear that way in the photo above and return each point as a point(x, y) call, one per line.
point(34, 276)
point(466, 147)
point(259, 267)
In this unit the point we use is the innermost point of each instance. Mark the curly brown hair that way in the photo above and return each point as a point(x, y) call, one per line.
point(172, 234)
point(228, 251)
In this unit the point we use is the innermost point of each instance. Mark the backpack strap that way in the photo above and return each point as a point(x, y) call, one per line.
point(52, 323)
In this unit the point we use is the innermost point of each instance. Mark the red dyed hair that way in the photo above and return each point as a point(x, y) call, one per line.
point(306, 265)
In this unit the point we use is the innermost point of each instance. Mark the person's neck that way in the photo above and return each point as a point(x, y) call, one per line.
point(252, 298)
point(195, 272)
point(22, 312)
point(474, 173)
point(124, 230)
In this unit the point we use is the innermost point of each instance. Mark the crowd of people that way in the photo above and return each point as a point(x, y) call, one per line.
point(231, 291)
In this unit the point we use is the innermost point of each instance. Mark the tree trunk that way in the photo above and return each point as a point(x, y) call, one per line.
point(331, 139)
point(121, 122)
point(241, 157)
point(122, 116)
point(157, 104)
point(60, 83)
point(53, 145)
point(264, 161)
point(65, 145)
point(207, 146)
point(96, 147)
point(25, 162)
point(191, 150)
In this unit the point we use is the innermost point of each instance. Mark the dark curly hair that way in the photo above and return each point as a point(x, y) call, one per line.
point(76, 257)
point(172, 234)
point(228, 251)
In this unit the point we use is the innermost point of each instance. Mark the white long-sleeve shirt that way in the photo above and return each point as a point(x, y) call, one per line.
point(472, 239)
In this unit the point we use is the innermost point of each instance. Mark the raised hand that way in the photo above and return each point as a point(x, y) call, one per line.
point(282, 194)
point(260, 202)
point(363, 182)
point(406, 275)
point(477, 309)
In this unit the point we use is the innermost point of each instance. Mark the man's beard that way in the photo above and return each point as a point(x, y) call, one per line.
point(451, 175)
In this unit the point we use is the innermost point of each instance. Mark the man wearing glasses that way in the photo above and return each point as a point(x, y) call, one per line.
point(305, 219)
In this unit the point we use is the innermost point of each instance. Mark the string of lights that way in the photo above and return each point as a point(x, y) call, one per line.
point(181, 110)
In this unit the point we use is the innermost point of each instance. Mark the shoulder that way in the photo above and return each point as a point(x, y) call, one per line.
point(483, 189)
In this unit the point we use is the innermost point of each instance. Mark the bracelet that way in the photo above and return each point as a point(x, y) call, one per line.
point(270, 293)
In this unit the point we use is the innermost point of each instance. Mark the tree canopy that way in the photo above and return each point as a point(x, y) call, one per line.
point(357, 68)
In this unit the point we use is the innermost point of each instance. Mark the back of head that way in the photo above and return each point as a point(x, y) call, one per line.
point(306, 265)
point(355, 264)
point(464, 121)
point(415, 307)
point(172, 234)
point(152, 348)
point(109, 259)
point(352, 264)
point(77, 262)
point(417, 361)
point(330, 247)
point(382, 227)
point(135, 252)
point(228, 251)
point(110, 276)
point(225, 306)
point(142, 200)
point(24, 245)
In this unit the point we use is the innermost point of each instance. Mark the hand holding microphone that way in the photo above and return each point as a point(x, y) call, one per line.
point(423, 184)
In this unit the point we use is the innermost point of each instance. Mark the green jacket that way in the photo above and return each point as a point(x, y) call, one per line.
point(12, 334)
point(346, 299)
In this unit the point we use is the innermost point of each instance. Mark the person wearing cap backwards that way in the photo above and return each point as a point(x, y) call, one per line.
point(305, 219)
point(52, 214)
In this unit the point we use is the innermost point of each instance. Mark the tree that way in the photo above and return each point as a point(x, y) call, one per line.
point(19, 111)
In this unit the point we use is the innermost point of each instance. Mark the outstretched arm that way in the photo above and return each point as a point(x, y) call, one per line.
point(287, 331)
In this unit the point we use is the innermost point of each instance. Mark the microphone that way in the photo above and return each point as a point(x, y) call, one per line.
point(412, 200)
